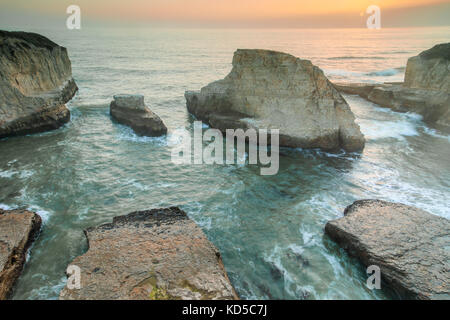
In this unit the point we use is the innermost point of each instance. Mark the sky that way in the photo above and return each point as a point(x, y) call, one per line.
point(238, 13)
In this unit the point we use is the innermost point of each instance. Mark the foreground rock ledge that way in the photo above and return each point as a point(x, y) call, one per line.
point(130, 110)
point(158, 254)
point(410, 246)
point(274, 90)
point(35, 83)
point(18, 229)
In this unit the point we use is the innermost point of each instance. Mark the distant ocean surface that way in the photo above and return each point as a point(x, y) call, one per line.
point(269, 229)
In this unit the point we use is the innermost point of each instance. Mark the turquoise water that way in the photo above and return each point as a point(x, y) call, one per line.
point(268, 228)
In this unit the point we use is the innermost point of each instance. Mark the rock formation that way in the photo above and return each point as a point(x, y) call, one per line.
point(409, 245)
point(35, 83)
point(274, 90)
point(158, 254)
point(426, 89)
point(18, 229)
point(430, 69)
point(130, 110)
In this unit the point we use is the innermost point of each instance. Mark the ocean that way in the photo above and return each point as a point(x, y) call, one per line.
point(269, 229)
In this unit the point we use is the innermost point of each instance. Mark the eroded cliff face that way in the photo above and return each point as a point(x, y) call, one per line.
point(274, 90)
point(35, 83)
point(430, 69)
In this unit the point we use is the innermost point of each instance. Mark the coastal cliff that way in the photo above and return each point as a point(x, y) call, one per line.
point(35, 83)
point(426, 89)
point(274, 90)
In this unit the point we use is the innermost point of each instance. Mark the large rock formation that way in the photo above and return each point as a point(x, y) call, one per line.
point(35, 83)
point(410, 246)
point(426, 89)
point(130, 110)
point(430, 69)
point(18, 229)
point(274, 90)
point(158, 254)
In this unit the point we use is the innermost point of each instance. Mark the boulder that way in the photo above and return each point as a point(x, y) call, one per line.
point(274, 90)
point(130, 110)
point(18, 229)
point(158, 254)
point(35, 83)
point(410, 246)
point(430, 69)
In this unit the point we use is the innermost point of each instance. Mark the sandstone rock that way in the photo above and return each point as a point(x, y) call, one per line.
point(410, 246)
point(430, 69)
point(157, 254)
point(433, 106)
point(18, 229)
point(130, 110)
point(274, 90)
point(35, 83)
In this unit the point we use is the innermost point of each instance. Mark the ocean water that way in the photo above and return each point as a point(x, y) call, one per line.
point(269, 229)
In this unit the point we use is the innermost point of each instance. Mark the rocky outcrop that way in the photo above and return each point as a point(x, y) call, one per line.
point(158, 254)
point(426, 89)
point(18, 229)
point(130, 110)
point(433, 106)
point(35, 83)
point(274, 90)
point(409, 245)
point(430, 69)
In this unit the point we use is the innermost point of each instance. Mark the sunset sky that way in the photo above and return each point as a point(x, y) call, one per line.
point(272, 12)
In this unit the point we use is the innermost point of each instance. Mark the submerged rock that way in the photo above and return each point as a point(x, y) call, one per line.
point(274, 90)
point(158, 254)
point(410, 246)
point(426, 89)
point(18, 229)
point(35, 83)
point(430, 69)
point(130, 110)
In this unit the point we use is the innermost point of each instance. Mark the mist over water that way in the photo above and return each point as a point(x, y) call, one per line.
point(269, 229)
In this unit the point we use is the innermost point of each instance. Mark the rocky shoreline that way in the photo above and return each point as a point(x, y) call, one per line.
point(161, 254)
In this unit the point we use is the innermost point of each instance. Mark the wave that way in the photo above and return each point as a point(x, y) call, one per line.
point(355, 74)
point(356, 58)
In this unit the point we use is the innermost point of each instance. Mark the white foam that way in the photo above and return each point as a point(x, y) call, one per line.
point(378, 129)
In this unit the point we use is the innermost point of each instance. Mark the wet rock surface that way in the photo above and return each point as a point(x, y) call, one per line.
point(158, 254)
point(18, 229)
point(411, 246)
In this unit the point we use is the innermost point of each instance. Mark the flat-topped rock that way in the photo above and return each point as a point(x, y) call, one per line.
point(430, 69)
point(274, 90)
point(130, 110)
point(18, 229)
point(158, 254)
point(411, 246)
point(35, 83)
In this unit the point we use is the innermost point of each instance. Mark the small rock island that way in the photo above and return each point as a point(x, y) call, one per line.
point(274, 90)
point(36, 82)
point(130, 110)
